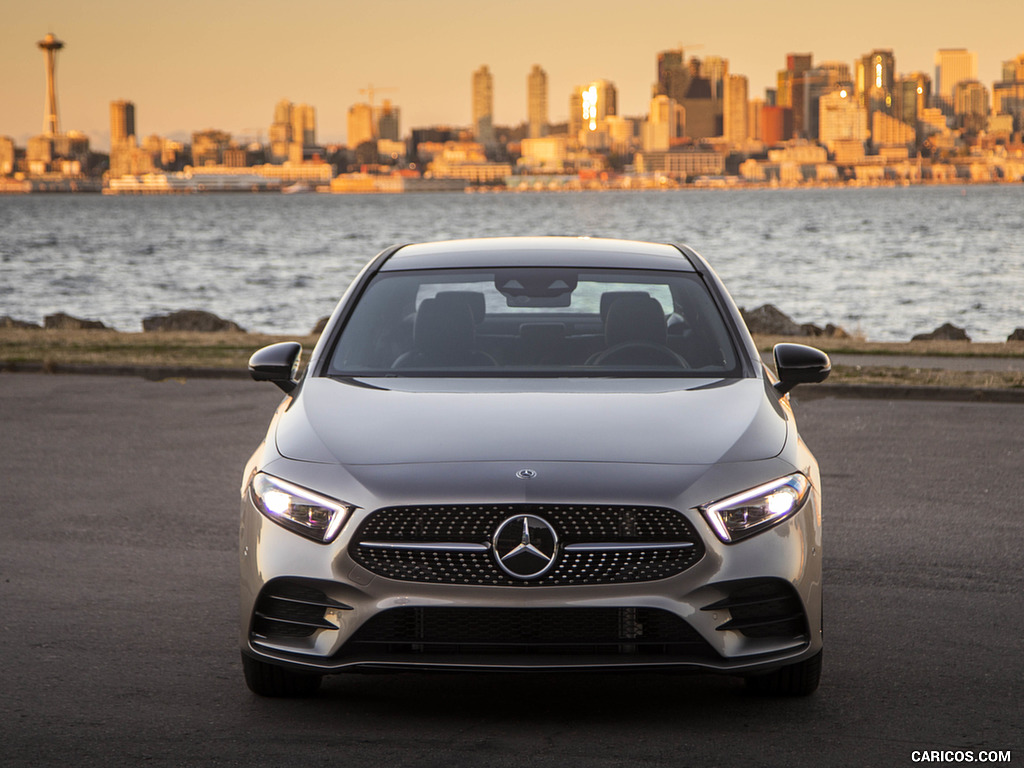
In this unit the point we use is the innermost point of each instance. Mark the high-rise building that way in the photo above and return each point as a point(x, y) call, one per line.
point(281, 131)
point(388, 119)
point(122, 123)
point(483, 106)
point(875, 81)
point(664, 124)
point(716, 70)
point(537, 102)
point(912, 94)
point(673, 74)
point(970, 105)
point(842, 118)
point(734, 112)
point(952, 66)
point(1013, 69)
point(703, 119)
point(1008, 95)
point(817, 82)
point(589, 106)
point(754, 109)
point(361, 128)
point(8, 156)
point(792, 90)
point(304, 125)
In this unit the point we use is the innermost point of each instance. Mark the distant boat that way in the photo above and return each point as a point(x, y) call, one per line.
point(297, 188)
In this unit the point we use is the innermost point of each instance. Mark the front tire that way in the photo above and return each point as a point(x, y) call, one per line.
point(800, 679)
point(270, 680)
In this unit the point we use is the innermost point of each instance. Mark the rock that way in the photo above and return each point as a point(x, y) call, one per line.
point(64, 322)
point(836, 331)
point(189, 320)
point(945, 332)
point(320, 325)
point(6, 321)
point(768, 320)
point(1017, 335)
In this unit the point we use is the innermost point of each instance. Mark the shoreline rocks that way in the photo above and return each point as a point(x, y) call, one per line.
point(64, 322)
point(945, 332)
point(766, 320)
point(6, 321)
point(769, 320)
point(190, 320)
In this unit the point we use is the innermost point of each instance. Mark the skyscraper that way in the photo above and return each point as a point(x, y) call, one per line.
point(971, 105)
point(361, 128)
point(483, 106)
point(537, 102)
point(876, 78)
point(792, 90)
point(734, 113)
point(952, 66)
point(122, 122)
point(673, 74)
point(589, 107)
point(304, 125)
point(388, 121)
point(281, 131)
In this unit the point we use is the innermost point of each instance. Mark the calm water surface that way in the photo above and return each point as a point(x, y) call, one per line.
point(888, 263)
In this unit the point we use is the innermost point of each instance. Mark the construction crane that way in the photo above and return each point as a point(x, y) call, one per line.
point(370, 90)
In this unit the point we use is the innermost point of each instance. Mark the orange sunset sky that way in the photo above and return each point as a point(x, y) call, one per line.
point(196, 64)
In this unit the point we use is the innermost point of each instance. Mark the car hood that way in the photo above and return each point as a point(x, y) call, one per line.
point(417, 421)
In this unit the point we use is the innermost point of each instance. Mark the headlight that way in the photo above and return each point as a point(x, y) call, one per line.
point(297, 508)
point(750, 512)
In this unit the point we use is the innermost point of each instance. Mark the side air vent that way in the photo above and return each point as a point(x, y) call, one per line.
point(288, 609)
point(762, 608)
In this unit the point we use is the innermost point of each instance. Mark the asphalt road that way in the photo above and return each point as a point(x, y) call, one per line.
point(118, 504)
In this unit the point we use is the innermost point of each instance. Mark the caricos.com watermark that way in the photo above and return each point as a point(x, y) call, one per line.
point(960, 756)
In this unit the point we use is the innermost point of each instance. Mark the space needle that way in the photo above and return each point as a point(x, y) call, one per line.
point(50, 45)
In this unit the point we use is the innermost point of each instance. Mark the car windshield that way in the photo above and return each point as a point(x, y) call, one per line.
point(537, 321)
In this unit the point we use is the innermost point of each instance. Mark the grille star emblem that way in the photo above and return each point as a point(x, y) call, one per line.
point(525, 546)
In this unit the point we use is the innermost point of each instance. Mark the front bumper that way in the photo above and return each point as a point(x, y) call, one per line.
point(745, 607)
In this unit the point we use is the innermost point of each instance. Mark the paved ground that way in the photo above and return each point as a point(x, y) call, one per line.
point(118, 503)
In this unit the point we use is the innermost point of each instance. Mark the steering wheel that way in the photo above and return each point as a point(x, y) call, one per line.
point(628, 352)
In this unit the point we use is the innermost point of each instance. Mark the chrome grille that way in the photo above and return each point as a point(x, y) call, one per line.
point(598, 544)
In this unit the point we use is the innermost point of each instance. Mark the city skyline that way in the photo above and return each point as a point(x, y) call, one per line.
point(227, 69)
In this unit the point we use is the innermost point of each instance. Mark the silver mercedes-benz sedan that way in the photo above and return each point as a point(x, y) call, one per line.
point(533, 453)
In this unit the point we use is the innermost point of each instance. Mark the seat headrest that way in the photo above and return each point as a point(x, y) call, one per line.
point(475, 300)
point(635, 318)
point(443, 326)
point(609, 298)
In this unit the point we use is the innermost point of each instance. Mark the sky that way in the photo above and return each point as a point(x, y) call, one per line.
point(198, 64)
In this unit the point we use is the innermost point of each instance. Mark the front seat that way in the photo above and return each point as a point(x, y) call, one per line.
point(635, 334)
point(444, 334)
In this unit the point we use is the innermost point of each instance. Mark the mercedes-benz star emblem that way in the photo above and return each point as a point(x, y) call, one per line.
point(526, 474)
point(525, 546)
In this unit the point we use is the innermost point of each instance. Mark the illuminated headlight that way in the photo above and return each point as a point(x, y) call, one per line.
point(298, 509)
point(750, 512)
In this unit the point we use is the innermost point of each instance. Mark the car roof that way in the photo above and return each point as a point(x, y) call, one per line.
point(538, 252)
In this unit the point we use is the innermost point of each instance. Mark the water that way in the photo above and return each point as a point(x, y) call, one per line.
point(887, 263)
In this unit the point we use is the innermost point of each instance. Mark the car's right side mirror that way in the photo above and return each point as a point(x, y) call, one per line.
point(799, 364)
point(278, 363)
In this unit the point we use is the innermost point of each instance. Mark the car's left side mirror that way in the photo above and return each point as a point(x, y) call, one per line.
point(800, 364)
point(278, 363)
